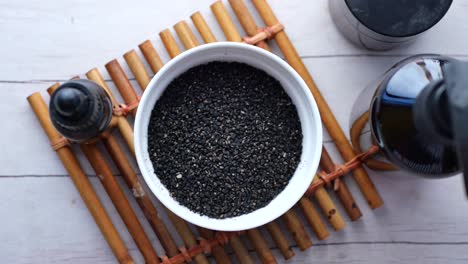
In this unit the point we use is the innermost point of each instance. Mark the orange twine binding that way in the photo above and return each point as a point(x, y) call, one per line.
point(124, 109)
point(264, 34)
point(165, 260)
point(324, 177)
point(60, 143)
point(222, 238)
point(186, 255)
point(340, 170)
point(205, 245)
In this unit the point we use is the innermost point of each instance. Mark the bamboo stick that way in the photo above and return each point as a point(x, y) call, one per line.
point(296, 228)
point(225, 21)
point(81, 182)
point(217, 251)
point(52, 88)
point(136, 66)
point(300, 235)
point(186, 35)
point(360, 175)
point(247, 21)
point(343, 193)
point(280, 239)
point(141, 197)
point(313, 218)
point(328, 207)
point(120, 202)
point(151, 56)
point(203, 28)
point(96, 77)
point(186, 234)
point(122, 122)
point(170, 43)
point(127, 133)
point(240, 251)
point(261, 246)
point(122, 83)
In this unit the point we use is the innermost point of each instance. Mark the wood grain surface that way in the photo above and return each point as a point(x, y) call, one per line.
point(43, 219)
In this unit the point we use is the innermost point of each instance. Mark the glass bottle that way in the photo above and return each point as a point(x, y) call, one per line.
point(80, 110)
point(418, 115)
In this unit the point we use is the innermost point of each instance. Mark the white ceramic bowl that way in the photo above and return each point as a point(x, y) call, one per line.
point(294, 86)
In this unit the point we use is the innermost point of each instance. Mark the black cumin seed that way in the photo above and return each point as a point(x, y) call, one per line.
point(225, 139)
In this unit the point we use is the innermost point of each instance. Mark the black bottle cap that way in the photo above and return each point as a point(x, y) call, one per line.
point(431, 113)
point(399, 18)
point(457, 94)
point(80, 110)
point(441, 112)
point(71, 103)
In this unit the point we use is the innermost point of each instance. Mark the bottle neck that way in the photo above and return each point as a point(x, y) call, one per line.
point(431, 113)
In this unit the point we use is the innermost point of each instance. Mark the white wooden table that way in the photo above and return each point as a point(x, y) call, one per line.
point(42, 217)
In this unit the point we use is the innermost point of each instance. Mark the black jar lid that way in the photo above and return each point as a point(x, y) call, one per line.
point(80, 110)
point(399, 18)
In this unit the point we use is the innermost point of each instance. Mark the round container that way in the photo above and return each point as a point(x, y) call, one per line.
point(80, 110)
point(385, 24)
point(294, 86)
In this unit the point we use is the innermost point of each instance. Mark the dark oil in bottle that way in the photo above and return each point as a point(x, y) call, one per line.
point(393, 124)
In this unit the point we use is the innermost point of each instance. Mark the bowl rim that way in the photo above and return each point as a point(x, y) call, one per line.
point(241, 225)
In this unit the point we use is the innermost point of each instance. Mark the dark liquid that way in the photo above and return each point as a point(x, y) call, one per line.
point(393, 124)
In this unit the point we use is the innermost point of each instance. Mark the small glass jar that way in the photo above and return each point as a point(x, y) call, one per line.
point(80, 110)
point(386, 24)
point(418, 116)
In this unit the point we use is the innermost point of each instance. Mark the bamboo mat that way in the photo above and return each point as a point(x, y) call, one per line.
point(197, 246)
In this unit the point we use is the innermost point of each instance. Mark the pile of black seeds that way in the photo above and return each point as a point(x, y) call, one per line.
point(225, 139)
